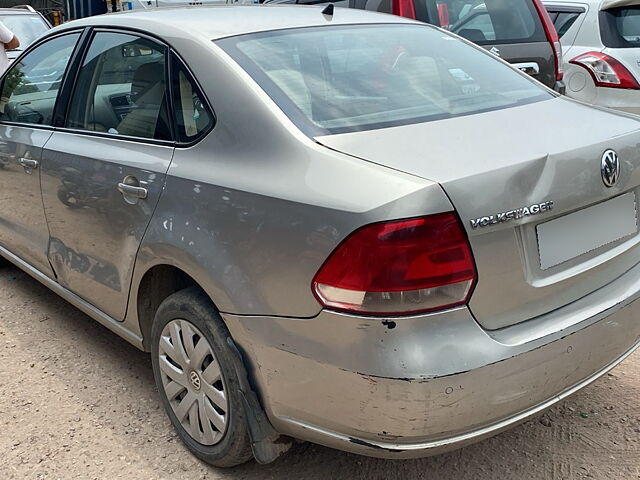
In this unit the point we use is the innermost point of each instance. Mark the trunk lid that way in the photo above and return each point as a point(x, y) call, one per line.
point(495, 162)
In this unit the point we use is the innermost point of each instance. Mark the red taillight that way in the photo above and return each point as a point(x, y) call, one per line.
point(399, 267)
point(552, 37)
point(403, 8)
point(606, 71)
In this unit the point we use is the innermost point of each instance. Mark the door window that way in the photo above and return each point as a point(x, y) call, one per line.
point(192, 116)
point(121, 88)
point(30, 87)
point(563, 21)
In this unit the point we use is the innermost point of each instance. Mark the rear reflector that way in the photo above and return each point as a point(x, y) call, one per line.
point(606, 71)
point(403, 8)
point(399, 267)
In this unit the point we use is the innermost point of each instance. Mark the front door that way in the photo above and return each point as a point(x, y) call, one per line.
point(29, 92)
point(103, 173)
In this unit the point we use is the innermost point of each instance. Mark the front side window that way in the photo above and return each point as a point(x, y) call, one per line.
point(30, 87)
point(192, 115)
point(361, 77)
point(121, 88)
point(620, 27)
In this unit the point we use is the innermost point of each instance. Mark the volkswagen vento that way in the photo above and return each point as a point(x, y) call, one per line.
point(332, 225)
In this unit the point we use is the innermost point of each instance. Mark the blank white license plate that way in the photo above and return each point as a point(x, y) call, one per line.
point(567, 237)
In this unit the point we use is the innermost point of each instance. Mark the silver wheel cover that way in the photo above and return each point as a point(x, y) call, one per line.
point(192, 381)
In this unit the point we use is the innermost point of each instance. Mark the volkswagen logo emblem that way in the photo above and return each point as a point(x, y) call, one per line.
point(610, 168)
point(195, 380)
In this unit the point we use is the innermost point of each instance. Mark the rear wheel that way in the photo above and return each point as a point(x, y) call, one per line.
point(194, 372)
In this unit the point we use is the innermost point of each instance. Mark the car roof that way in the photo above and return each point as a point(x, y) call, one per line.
point(214, 22)
point(17, 11)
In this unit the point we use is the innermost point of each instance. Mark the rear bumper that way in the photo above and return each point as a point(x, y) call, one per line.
point(619, 99)
point(430, 383)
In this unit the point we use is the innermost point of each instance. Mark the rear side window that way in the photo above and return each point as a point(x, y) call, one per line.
point(193, 118)
point(563, 21)
point(620, 27)
point(343, 79)
point(485, 22)
point(121, 88)
point(30, 87)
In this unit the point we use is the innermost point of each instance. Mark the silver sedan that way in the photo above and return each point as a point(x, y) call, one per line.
point(332, 225)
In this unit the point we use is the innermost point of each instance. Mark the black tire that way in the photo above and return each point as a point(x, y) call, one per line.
point(192, 305)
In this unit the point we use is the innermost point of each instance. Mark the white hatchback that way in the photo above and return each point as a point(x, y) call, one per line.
point(601, 50)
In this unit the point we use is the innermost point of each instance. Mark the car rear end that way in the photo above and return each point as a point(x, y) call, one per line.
point(618, 72)
point(601, 43)
point(447, 317)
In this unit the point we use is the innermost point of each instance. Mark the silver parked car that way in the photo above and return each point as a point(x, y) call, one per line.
point(334, 225)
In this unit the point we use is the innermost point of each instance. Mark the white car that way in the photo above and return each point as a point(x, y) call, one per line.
point(26, 23)
point(601, 50)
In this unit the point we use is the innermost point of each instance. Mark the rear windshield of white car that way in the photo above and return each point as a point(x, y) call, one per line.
point(620, 27)
point(362, 77)
point(26, 27)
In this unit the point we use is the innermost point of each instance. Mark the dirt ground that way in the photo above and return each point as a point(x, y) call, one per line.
point(76, 401)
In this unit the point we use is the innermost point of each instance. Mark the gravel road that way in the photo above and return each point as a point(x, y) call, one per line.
point(76, 401)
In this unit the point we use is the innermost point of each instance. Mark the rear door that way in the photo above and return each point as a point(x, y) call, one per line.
point(29, 92)
point(103, 172)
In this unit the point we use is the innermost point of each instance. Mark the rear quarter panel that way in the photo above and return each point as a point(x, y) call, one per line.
point(253, 210)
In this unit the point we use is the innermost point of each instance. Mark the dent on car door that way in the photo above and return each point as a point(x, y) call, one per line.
point(104, 172)
point(29, 92)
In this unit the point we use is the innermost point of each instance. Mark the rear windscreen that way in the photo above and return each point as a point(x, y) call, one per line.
point(338, 79)
point(620, 27)
point(26, 28)
point(485, 22)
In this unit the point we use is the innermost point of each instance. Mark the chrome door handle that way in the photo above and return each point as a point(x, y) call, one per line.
point(530, 68)
point(29, 163)
point(132, 190)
